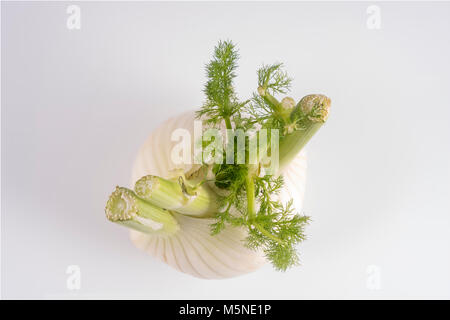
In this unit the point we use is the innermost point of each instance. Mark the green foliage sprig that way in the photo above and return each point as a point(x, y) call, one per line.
point(250, 199)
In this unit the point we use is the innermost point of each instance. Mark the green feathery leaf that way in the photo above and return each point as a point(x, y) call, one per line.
point(274, 228)
point(274, 79)
point(221, 102)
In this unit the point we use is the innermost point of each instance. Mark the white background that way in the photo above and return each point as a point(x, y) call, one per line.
point(77, 104)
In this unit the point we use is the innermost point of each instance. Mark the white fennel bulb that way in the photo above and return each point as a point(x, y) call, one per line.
point(192, 249)
point(221, 202)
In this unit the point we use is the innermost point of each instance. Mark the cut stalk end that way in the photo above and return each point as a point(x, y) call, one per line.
point(144, 186)
point(288, 103)
point(121, 205)
point(314, 107)
point(307, 117)
point(126, 208)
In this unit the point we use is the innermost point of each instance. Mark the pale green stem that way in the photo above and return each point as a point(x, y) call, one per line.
point(198, 201)
point(274, 104)
point(250, 188)
point(228, 123)
point(293, 143)
point(126, 208)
